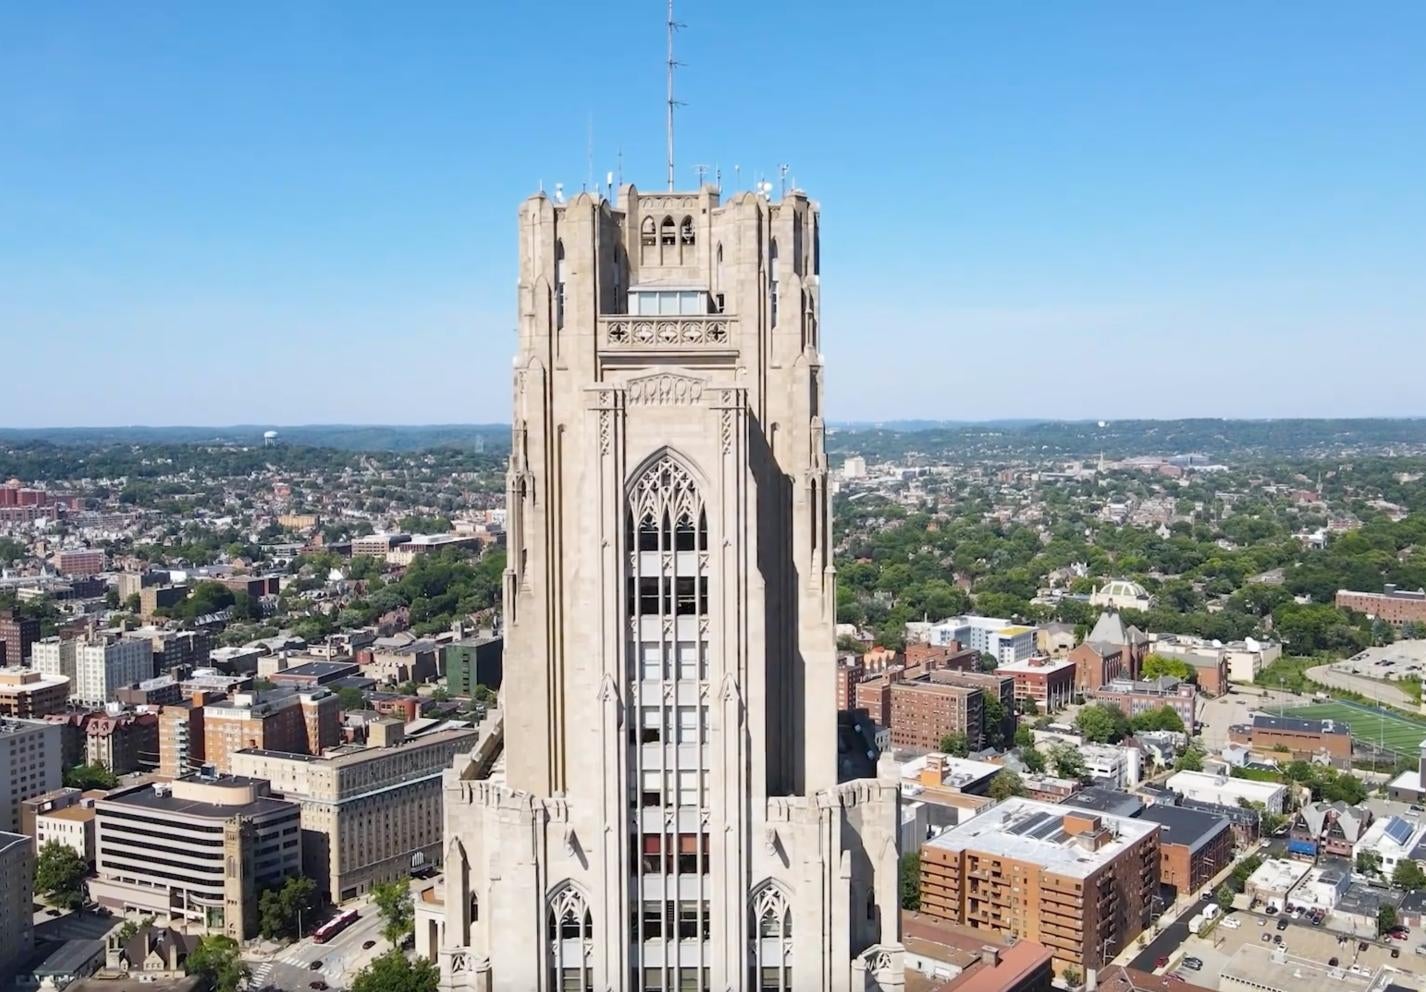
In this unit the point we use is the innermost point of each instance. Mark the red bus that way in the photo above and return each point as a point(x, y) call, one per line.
point(334, 926)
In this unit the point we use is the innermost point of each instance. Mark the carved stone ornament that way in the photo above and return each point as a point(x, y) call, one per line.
point(664, 389)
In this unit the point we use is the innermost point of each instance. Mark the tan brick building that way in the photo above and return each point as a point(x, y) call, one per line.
point(369, 813)
point(1080, 883)
point(29, 695)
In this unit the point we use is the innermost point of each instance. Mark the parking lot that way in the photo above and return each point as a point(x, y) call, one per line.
point(1316, 945)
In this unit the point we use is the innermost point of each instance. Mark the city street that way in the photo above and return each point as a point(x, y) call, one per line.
point(291, 970)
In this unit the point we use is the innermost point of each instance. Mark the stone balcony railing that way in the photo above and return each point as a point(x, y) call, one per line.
point(656, 333)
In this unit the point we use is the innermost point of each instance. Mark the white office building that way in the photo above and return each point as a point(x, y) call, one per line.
point(1009, 642)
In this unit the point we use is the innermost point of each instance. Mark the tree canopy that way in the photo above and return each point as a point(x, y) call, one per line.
point(59, 874)
point(1102, 723)
point(394, 972)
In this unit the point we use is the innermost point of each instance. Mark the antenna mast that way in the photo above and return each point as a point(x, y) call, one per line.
point(671, 104)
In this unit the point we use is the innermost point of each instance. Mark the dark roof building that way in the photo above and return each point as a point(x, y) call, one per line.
point(1105, 800)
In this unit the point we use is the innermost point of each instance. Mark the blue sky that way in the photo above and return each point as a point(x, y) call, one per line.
point(304, 212)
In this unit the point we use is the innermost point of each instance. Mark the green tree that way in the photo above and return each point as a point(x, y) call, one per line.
point(1023, 737)
point(1029, 707)
point(1408, 875)
point(283, 908)
point(909, 878)
point(1191, 760)
point(1385, 919)
point(393, 902)
point(59, 875)
point(1161, 718)
point(1223, 895)
point(218, 959)
point(1006, 784)
point(351, 698)
point(1068, 762)
point(93, 776)
point(1033, 759)
point(1102, 723)
point(395, 972)
point(955, 744)
point(1156, 665)
point(1071, 977)
point(1369, 864)
point(993, 722)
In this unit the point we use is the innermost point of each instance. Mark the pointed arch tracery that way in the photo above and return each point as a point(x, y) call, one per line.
point(770, 933)
point(569, 930)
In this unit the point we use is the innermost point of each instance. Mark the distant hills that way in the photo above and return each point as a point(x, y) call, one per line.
point(346, 437)
point(893, 439)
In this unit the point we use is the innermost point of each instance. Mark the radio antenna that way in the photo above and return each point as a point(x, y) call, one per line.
point(672, 64)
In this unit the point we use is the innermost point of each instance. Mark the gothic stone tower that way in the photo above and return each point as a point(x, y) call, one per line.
point(669, 816)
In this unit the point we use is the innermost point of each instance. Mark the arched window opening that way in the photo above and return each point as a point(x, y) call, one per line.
point(570, 932)
point(667, 238)
point(685, 231)
point(771, 927)
point(559, 284)
point(648, 233)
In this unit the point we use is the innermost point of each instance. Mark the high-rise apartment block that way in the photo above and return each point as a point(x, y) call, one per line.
point(194, 851)
point(1080, 883)
point(670, 815)
point(105, 663)
point(369, 813)
point(296, 721)
point(29, 765)
point(29, 694)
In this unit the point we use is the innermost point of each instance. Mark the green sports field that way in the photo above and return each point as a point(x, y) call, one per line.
point(1389, 730)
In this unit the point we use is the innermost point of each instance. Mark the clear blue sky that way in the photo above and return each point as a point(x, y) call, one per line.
point(305, 212)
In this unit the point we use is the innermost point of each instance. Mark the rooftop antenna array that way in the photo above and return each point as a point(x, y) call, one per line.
point(672, 64)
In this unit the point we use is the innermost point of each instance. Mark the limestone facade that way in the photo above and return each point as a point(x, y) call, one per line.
point(666, 813)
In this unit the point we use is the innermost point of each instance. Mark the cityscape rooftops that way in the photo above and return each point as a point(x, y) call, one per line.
point(1062, 840)
point(1036, 664)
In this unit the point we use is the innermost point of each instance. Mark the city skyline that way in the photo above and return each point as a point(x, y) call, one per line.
point(1212, 198)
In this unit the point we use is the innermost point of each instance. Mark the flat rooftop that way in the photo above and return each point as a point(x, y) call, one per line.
point(1036, 665)
point(1187, 827)
point(1029, 830)
point(1180, 781)
point(146, 797)
point(1263, 721)
point(1264, 969)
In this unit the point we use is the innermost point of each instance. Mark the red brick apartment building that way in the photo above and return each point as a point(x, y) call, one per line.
point(1080, 883)
point(924, 711)
point(1395, 606)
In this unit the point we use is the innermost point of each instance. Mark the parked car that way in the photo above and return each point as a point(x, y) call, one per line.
point(1267, 938)
point(1396, 952)
point(367, 945)
point(1193, 964)
point(1232, 923)
point(1282, 924)
point(1161, 962)
point(315, 966)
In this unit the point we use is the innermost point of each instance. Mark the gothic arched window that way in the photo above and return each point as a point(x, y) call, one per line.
point(770, 930)
point(559, 284)
point(570, 933)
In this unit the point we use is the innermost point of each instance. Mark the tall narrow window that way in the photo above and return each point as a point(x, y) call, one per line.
point(718, 300)
point(559, 284)
point(772, 282)
point(648, 233)
point(667, 237)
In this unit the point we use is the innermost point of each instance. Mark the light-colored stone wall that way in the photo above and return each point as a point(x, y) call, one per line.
point(714, 411)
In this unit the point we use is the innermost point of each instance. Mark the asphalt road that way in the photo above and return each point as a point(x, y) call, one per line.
point(290, 969)
point(1167, 942)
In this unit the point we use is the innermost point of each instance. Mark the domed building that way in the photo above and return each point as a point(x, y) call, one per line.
point(1121, 594)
